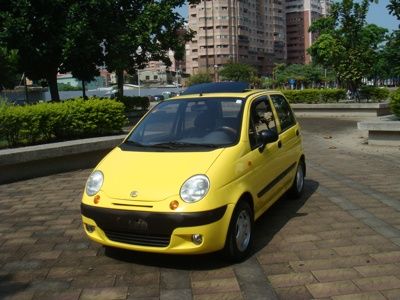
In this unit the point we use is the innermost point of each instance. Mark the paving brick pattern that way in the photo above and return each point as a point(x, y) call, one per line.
point(340, 241)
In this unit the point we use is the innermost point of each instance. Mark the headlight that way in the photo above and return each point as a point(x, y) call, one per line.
point(94, 183)
point(195, 188)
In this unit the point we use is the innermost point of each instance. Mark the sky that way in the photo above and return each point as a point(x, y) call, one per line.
point(377, 14)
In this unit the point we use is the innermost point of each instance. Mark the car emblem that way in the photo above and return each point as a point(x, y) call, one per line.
point(134, 194)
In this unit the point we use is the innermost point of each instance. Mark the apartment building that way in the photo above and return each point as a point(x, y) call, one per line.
point(245, 31)
point(299, 16)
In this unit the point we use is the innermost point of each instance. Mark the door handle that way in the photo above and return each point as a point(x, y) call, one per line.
point(279, 144)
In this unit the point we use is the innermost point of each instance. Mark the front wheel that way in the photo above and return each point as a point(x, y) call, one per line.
point(240, 233)
point(297, 188)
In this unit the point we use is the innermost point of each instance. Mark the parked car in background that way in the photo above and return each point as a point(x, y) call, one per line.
point(196, 172)
point(158, 98)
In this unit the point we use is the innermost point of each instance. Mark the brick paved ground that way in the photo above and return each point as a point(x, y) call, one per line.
point(341, 241)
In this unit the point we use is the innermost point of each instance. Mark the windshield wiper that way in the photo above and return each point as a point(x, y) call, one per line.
point(134, 143)
point(174, 145)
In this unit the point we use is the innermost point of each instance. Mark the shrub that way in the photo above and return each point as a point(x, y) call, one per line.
point(44, 122)
point(68, 87)
point(395, 102)
point(374, 93)
point(135, 102)
point(314, 95)
point(11, 123)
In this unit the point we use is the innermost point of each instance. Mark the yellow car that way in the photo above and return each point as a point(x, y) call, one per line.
point(196, 172)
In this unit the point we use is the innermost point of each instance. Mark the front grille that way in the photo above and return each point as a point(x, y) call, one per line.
point(138, 239)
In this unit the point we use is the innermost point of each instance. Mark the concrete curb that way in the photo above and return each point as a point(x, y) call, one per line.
point(383, 132)
point(33, 161)
point(342, 109)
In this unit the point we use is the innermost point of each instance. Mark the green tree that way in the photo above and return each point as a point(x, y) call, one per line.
point(391, 51)
point(392, 56)
point(142, 31)
point(82, 51)
point(8, 68)
point(394, 8)
point(305, 75)
point(238, 72)
point(54, 34)
point(199, 78)
point(37, 30)
point(346, 43)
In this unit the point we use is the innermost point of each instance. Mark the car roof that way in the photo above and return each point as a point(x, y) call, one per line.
point(225, 89)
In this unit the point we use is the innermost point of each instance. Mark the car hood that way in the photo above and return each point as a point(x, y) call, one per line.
point(153, 176)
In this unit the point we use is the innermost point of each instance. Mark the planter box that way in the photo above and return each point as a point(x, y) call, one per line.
point(342, 109)
point(33, 161)
point(382, 132)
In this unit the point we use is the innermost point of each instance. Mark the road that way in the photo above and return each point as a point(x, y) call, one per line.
point(340, 241)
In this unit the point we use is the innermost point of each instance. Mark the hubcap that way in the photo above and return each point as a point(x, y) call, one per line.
point(299, 178)
point(243, 231)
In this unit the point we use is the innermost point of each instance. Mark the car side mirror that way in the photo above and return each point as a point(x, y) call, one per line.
point(267, 136)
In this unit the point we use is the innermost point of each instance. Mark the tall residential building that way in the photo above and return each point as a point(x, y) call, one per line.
point(299, 16)
point(245, 31)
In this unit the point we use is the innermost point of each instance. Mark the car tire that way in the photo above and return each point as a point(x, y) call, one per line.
point(240, 233)
point(297, 188)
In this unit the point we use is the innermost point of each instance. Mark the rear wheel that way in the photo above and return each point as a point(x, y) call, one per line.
point(297, 188)
point(240, 233)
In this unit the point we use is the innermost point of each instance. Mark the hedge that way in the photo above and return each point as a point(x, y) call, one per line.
point(395, 102)
point(334, 95)
point(135, 103)
point(44, 122)
point(374, 93)
point(315, 95)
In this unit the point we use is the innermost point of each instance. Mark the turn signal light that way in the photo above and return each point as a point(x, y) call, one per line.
point(174, 204)
point(96, 199)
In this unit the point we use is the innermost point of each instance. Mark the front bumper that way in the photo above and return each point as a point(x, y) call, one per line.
point(157, 231)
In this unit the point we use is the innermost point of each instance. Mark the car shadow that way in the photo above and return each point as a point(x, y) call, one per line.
point(270, 223)
point(9, 287)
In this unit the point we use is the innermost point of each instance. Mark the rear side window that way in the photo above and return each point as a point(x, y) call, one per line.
point(284, 111)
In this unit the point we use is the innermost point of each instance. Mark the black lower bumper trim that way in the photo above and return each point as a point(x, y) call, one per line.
point(148, 223)
point(138, 239)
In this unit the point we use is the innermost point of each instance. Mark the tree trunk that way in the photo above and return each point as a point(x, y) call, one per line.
point(120, 83)
point(52, 81)
point(84, 90)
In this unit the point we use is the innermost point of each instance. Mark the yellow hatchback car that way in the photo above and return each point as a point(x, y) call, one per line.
point(196, 172)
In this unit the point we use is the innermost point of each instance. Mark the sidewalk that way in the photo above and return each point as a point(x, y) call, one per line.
point(340, 241)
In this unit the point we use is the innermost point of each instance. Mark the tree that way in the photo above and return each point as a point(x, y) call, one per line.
point(8, 68)
point(238, 72)
point(37, 30)
point(391, 55)
point(304, 75)
point(391, 51)
point(346, 43)
point(69, 34)
point(199, 78)
point(82, 51)
point(142, 31)
point(394, 8)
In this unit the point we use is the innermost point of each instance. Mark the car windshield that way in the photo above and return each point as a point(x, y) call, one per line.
point(190, 123)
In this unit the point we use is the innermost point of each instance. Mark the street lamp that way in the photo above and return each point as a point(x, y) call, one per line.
point(215, 73)
point(138, 81)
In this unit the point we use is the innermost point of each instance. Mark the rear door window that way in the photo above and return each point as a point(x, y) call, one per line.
point(284, 111)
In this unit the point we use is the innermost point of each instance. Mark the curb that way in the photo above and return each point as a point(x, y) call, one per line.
point(41, 160)
point(382, 132)
point(342, 109)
